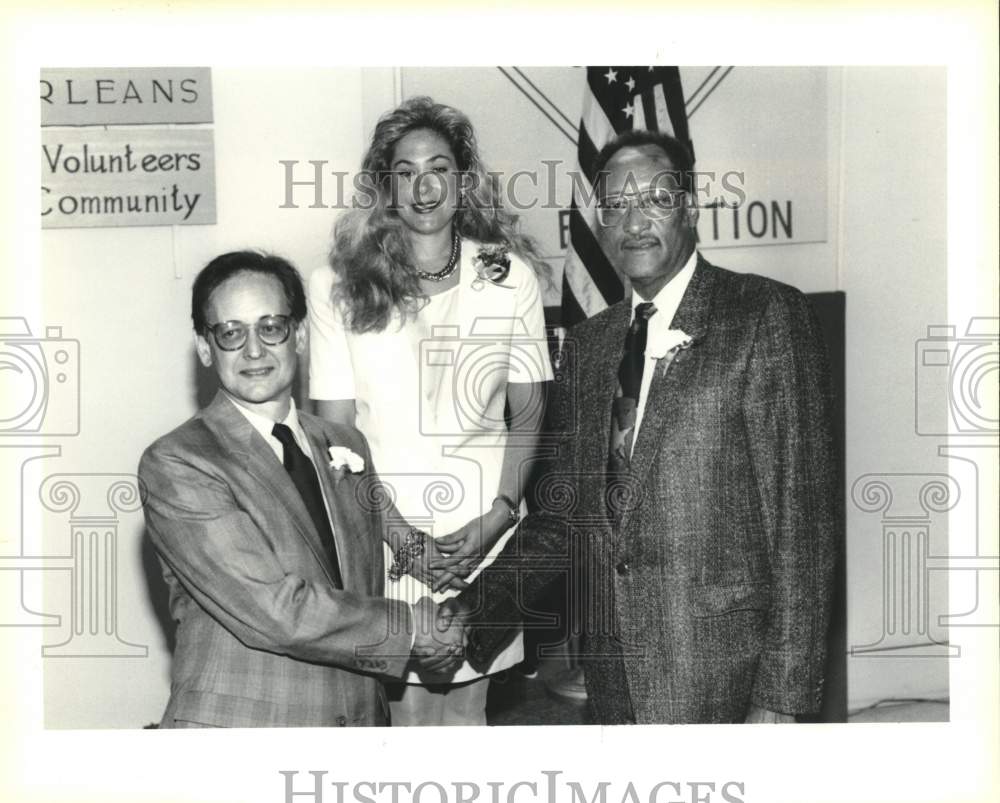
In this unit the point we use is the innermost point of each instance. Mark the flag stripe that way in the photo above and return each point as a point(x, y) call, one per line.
point(668, 80)
point(583, 291)
point(587, 154)
point(596, 122)
point(600, 86)
point(649, 109)
point(662, 115)
point(638, 120)
point(571, 312)
point(587, 296)
point(593, 259)
point(673, 93)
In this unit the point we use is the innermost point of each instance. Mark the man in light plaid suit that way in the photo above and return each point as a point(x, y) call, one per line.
point(273, 558)
point(697, 500)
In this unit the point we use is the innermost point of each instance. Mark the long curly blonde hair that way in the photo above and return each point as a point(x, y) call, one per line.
point(371, 253)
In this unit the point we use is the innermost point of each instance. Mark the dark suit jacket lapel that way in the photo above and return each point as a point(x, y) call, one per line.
point(667, 389)
point(247, 444)
point(597, 359)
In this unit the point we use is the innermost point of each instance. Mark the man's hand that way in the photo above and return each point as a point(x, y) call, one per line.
point(441, 637)
point(759, 716)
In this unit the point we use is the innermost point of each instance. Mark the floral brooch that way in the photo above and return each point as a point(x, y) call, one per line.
point(492, 264)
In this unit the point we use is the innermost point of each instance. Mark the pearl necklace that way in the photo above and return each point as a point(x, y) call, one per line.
point(448, 269)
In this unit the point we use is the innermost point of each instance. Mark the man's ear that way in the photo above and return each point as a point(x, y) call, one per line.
point(301, 337)
point(204, 350)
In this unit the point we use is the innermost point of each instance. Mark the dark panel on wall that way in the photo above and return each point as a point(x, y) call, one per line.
point(829, 308)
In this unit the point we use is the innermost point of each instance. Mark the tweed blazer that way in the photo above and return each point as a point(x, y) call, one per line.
point(705, 575)
point(263, 636)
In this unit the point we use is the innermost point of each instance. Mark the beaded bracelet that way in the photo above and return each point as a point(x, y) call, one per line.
point(412, 547)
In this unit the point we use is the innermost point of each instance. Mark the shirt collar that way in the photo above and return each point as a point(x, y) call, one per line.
point(264, 425)
point(669, 298)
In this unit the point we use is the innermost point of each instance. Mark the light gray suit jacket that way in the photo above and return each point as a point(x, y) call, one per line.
point(263, 636)
point(705, 580)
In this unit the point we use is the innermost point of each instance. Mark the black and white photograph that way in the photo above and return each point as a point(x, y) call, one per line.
point(585, 404)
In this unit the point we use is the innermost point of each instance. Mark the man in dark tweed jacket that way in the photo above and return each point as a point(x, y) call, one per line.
point(697, 499)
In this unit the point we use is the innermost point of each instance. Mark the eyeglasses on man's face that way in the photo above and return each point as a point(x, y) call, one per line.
point(272, 330)
point(655, 204)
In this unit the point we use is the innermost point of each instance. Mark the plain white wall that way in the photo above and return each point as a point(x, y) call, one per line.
point(885, 249)
point(892, 262)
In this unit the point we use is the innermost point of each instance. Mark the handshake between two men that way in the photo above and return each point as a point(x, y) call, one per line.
point(441, 637)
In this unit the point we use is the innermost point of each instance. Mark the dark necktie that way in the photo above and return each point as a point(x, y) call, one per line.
point(625, 405)
point(303, 474)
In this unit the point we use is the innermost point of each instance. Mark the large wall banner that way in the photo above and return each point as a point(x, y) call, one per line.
point(760, 141)
point(127, 177)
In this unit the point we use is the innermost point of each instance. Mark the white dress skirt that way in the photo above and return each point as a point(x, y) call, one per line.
point(430, 398)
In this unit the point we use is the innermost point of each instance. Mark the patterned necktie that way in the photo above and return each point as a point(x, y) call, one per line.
point(625, 405)
point(303, 474)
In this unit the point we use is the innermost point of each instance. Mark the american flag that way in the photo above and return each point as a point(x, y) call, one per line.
point(617, 99)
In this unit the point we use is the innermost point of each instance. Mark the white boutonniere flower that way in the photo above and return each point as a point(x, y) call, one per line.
point(664, 345)
point(343, 458)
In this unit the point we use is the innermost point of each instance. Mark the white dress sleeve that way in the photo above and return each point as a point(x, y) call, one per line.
point(331, 372)
point(533, 366)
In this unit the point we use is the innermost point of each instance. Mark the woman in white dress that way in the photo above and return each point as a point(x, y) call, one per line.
point(427, 332)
